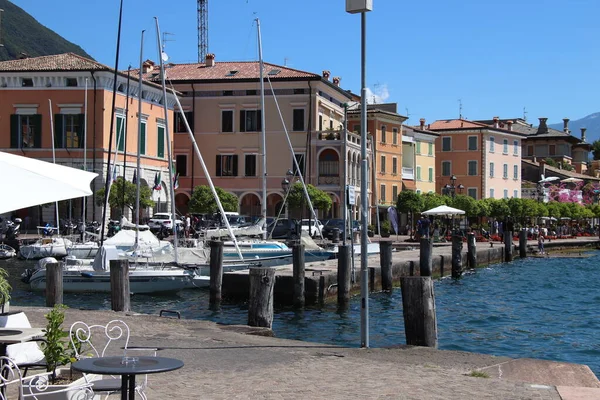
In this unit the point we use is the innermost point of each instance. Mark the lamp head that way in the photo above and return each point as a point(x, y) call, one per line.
point(453, 178)
point(289, 174)
point(285, 184)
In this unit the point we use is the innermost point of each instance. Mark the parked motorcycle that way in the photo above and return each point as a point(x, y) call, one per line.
point(13, 229)
point(113, 228)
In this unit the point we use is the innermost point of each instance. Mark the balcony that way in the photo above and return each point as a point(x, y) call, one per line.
point(329, 180)
point(329, 135)
point(408, 173)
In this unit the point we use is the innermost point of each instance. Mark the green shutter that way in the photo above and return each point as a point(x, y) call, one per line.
point(218, 171)
point(14, 131)
point(58, 131)
point(80, 130)
point(36, 122)
point(161, 142)
point(142, 144)
point(120, 134)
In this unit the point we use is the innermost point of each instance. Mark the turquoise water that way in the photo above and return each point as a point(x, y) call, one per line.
point(539, 308)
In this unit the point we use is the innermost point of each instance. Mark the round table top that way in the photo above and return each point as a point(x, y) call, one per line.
point(118, 366)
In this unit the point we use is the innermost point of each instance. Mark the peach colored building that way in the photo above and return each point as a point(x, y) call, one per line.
point(485, 160)
point(27, 85)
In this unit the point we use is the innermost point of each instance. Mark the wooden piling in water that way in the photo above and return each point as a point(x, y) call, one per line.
point(471, 251)
point(418, 305)
point(457, 246)
point(54, 284)
point(260, 303)
point(425, 257)
point(523, 243)
point(508, 246)
point(216, 271)
point(385, 261)
point(343, 275)
point(120, 297)
point(298, 274)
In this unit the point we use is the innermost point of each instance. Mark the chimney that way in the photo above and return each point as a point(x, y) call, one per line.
point(583, 134)
point(509, 123)
point(147, 66)
point(23, 56)
point(422, 122)
point(543, 128)
point(326, 74)
point(496, 119)
point(566, 126)
point(210, 60)
point(336, 80)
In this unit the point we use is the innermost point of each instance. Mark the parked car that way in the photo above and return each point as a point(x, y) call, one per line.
point(159, 220)
point(283, 229)
point(338, 224)
point(315, 227)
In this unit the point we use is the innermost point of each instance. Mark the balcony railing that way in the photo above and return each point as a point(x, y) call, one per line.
point(329, 180)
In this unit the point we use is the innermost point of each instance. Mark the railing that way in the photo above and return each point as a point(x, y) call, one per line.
point(329, 180)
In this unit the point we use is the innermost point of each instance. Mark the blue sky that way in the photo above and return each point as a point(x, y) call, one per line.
point(496, 56)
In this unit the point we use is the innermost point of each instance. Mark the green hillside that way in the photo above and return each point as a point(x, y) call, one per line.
point(21, 33)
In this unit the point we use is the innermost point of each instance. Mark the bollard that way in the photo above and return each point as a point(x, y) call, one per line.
point(343, 275)
point(335, 235)
point(385, 261)
point(54, 284)
point(216, 271)
point(523, 243)
point(371, 279)
point(508, 246)
point(442, 259)
point(260, 304)
point(426, 254)
point(119, 285)
point(457, 246)
point(411, 268)
point(471, 251)
point(298, 274)
point(418, 306)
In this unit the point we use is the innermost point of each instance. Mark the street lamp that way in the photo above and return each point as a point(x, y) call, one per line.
point(285, 185)
point(450, 189)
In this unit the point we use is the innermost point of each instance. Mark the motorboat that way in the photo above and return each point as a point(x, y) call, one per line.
point(83, 250)
point(271, 252)
point(45, 247)
point(7, 252)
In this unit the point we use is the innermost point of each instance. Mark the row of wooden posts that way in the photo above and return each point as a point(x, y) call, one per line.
point(418, 299)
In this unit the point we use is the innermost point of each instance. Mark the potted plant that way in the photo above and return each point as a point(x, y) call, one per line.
point(5, 290)
point(385, 229)
point(371, 230)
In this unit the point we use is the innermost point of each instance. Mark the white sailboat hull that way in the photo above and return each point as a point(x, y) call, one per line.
point(47, 247)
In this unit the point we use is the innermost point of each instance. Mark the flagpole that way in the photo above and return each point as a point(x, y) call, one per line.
point(138, 177)
point(53, 158)
point(85, 104)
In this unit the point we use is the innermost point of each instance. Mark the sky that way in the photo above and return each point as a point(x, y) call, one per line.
point(506, 58)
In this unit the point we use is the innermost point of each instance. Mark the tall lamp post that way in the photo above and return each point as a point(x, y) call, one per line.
point(452, 187)
point(362, 7)
point(285, 185)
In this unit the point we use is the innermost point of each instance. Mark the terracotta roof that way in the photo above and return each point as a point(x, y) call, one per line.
point(454, 124)
point(563, 172)
point(408, 129)
point(58, 62)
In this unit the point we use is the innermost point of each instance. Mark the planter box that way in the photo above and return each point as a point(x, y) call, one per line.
point(62, 391)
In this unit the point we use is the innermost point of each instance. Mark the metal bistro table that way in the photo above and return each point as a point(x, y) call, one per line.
point(18, 335)
point(128, 370)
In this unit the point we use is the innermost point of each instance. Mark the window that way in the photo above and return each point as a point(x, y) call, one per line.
point(71, 82)
point(68, 130)
point(160, 153)
point(356, 129)
point(382, 194)
point(430, 174)
point(418, 148)
point(181, 164)
point(383, 134)
point(394, 193)
point(491, 193)
point(25, 131)
point(142, 143)
point(300, 159)
point(472, 142)
point(298, 124)
point(505, 171)
point(180, 123)
point(227, 92)
point(395, 136)
point(492, 143)
point(121, 135)
point(226, 120)
point(418, 173)
point(505, 147)
point(446, 168)
point(516, 147)
point(530, 151)
point(394, 166)
point(251, 92)
point(515, 172)
point(552, 150)
point(329, 164)
point(472, 192)
point(227, 165)
point(516, 194)
point(321, 122)
point(250, 165)
point(506, 193)
point(472, 168)
point(382, 166)
point(430, 149)
point(491, 170)
point(447, 144)
point(250, 121)
point(27, 82)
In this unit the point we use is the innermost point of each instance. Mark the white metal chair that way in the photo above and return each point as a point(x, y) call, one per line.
point(111, 339)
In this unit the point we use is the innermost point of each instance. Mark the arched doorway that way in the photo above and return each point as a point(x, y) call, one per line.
point(182, 203)
point(250, 205)
point(274, 204)
point(329, 167)
point(334, 211)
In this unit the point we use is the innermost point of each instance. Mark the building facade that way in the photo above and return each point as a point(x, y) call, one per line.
point(424, 153)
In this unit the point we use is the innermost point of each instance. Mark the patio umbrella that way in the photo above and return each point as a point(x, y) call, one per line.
point(28, 182)
point(443, 210)
point(571, 180)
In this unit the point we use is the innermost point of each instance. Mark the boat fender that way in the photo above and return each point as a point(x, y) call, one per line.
point(87, 274)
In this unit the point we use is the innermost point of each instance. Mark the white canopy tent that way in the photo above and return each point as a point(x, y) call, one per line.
point(443, 210)
point(28, 182)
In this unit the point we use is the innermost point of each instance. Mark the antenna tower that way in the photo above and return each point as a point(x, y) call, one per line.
point(524, 114)
point(202, 30)
point(459, 108)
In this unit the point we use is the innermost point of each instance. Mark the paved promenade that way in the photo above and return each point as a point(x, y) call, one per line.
point(229, 362)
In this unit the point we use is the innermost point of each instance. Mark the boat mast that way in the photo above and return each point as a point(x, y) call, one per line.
point(53, 159)
point(170, 158)
point(262, 132)
point(85, 104)
point(138, 170)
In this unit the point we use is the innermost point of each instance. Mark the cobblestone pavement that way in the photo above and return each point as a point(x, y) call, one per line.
point(223, 363)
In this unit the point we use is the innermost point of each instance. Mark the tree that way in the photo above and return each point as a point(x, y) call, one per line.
point(410, 202)
point(203, 201)
point(433, 200)
point(596, 149)
point(465, 203)
point(499, 208)
point(115, 198)
point(319, 199)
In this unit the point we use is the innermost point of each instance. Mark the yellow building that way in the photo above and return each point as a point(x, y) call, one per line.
point(424, 153)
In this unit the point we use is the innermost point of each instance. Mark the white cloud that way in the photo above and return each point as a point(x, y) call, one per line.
point(378, 95)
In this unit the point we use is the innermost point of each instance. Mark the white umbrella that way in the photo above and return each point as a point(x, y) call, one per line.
point(28, 182)
point(443, 210)
point(572, 180)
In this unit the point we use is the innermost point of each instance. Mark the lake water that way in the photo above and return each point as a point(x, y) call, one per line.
point(538, 308)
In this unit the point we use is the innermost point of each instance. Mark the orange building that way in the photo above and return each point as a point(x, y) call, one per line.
point(27, 86)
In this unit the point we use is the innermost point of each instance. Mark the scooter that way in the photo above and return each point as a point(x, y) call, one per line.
point(113, 228)
point(13, 229)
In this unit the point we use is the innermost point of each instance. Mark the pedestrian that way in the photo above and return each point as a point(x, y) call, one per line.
point(425, 225)
point(541, 244)
point(187, 223)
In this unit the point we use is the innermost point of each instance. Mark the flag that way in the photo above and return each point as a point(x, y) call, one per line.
point(134, 180)
point(157, 182)
point(114, 174)
point(176, 181)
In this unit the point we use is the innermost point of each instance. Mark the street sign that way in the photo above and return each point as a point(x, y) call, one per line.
point(351, 196)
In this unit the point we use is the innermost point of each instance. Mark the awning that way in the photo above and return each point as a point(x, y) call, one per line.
point(409, 185)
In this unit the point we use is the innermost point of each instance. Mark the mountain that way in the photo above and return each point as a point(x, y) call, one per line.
point(21, 33)
point(591, 122)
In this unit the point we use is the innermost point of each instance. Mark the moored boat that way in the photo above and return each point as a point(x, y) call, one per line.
point(7, 252)
point(45, 247)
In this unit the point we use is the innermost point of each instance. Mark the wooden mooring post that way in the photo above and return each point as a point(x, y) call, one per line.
point(508, 246)
point(120, 297)
point(418, 305)
point(457, 246)
point(216, 272)
point(54, 284)
point(260, 304)
point(471, 250)
point(385, 261)
point(298, 274)
point(343, 275)
point(523, 243)
point(426, 257)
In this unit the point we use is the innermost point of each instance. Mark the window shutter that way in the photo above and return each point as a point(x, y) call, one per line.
point(242, 120)
point(120, 136)
point(235, 165)
point(80, 131)
point(58, 131)
point(37, 130)
point(259, 120)
point(143, 140)
point(14, 131)
point(161, 142)
point(218, 165)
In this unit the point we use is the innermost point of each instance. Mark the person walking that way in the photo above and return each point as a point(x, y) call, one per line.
point(541, 244)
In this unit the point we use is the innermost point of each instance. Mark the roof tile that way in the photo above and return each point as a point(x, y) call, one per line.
point(58, 62)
